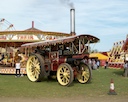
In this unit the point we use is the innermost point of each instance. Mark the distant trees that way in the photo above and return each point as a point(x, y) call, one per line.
point(94, 51)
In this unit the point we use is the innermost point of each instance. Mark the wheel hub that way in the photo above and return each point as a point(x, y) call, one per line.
point(65, 74)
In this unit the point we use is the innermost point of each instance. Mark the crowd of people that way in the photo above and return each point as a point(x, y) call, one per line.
point(93, 63)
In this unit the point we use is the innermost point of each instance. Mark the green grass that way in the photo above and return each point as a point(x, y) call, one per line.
point(99, 86)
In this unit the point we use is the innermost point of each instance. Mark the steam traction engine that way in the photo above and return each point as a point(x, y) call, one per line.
point(61, 57)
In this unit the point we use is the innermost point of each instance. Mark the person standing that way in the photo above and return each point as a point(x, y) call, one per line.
point(126, 69)
point(17, 68)
point(90, 63)
point(98, 64)
point(106, 65)
point(94, 64)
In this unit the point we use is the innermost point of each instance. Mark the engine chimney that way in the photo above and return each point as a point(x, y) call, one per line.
point(72, 21)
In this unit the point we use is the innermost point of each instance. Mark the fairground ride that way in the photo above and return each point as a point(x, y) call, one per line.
point(116, 55)
point(11, 40)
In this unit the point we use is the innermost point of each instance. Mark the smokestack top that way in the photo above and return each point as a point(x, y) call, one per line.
point(32, 24)
point(72, 21)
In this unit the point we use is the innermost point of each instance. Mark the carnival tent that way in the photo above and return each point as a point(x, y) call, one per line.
point(99, 56)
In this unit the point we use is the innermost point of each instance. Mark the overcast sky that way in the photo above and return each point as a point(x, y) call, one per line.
point(105, 19)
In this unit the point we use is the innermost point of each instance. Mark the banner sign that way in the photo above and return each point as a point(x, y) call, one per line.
point(26, 37)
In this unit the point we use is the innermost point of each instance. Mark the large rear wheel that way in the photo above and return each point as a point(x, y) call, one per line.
point(35, 67)
point(84, 74)
point(65, 74)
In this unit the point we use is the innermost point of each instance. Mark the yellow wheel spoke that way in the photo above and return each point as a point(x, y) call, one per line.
point(32, 73)
point(32, 62)
point(62, 79)
point(64, 69)
point(36, 61)
point(37, 65)
point(61, 71)
point(36, 75)
point(67, 79)
point(37, 71)
point(87, 76)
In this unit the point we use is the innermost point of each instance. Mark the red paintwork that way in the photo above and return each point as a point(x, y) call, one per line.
point(82, 56)
point(55, 64)
point(62, 60)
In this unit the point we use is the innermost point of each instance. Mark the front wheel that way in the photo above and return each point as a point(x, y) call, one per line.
point(84, 74)
point(35, 67)
point(65, 74)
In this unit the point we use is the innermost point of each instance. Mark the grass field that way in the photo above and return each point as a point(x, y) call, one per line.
point(99, 86)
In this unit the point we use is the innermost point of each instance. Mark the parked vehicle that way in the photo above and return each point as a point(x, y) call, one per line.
point(61, 58)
